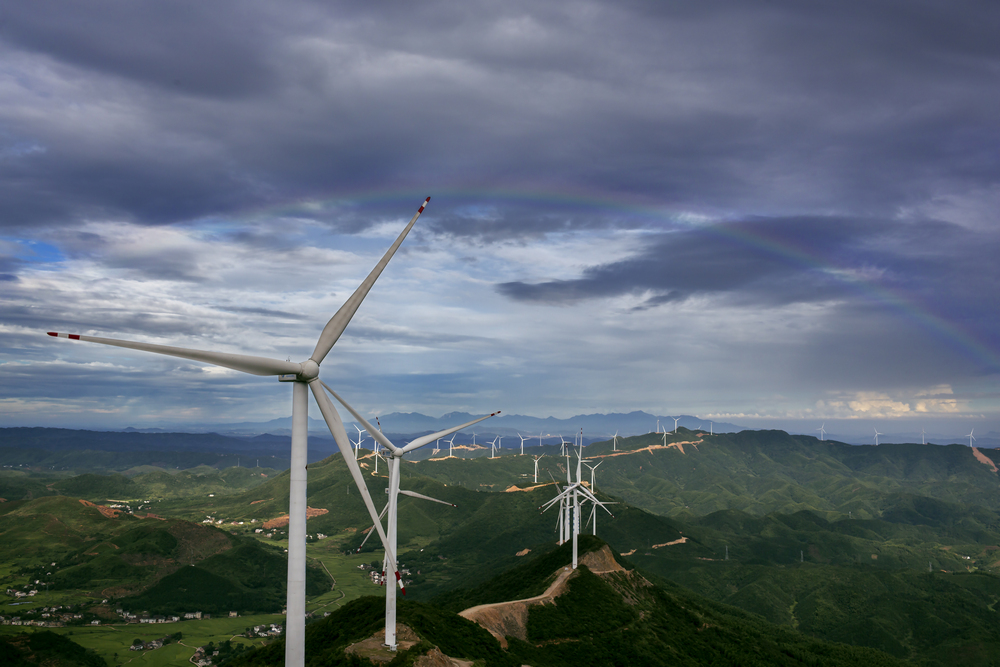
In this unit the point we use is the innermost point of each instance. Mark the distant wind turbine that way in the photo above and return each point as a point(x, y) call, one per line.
point(522, 443)
point(877, 434)
point(304, 377)
point(711, 428)
point(676, 419)
point(821, 431)
point(493, 448)
point(536, 467)
point(569, 500)
point(971, 437)
point(657, 425)
point(922, 440)
point(357, 445)
point(614, 446)
point(451, 444)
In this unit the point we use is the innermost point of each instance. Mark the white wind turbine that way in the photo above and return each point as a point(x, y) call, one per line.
point(657, 425)
point(539, 438)
point(614, 445)
point(493, 447)
point(664, 438)
point(357, 445)
point(711, 428)
point(971, 437)
point(562, 445)
point(569, 501)
point(451, 444)
point(877, 434)
point(676, 419)
point(923, 441)
point(522, 443)
point(536, 466)
point(304, 377)
point(822, 432)
point(394, 460)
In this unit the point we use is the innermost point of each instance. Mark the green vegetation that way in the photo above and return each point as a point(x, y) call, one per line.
point(45, 648)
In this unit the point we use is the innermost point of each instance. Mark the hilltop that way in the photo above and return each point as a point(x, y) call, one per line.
point(606, 615)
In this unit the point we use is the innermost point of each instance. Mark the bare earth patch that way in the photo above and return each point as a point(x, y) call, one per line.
point(282, 521)
point(669, 544)
point(982, 458)
point(672, 445)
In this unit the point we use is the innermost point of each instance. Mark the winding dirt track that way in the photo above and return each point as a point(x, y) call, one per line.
point(509, 619)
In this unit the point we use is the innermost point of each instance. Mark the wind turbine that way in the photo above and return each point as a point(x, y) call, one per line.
point(821, 431)
point(877, 434)
point(922, 439)
point(522, 443)
point(711, 428)
point(676, 419)
point(593, 487)
point(304, 377)
point(493, 447)
point(539, 438)
point(536, 467)
point(394, 460)
point(971, 437)
point(569, 500)
point(473, 438)
point(562, 445)
point(664, 438)
point(657, 425)
point(614, 445)
point(451, 444)
point(357, 445)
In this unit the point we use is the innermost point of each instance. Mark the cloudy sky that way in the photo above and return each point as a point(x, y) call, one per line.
point(762, 211)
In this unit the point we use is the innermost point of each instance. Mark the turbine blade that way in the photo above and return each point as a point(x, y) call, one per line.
point(372, 530)
point(414, 494)
point(372, 431)
point(335, 327)
point(423, 440)
point(238, 362)
point(336, 427)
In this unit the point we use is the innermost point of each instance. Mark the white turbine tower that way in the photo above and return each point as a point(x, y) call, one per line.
point(614, 445)
point(539, 438)
point(493, 447)
point(711, 428)
point(394, 460)
point(522, 443)
point(676, 419)
point(451, 444)
point(657, 425)
point(877, 434)
point(562, 445)
point(971, 437)
point(304, 377)
point(822, 432)
point(923, 440)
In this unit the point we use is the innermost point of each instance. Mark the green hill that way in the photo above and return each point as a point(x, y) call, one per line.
point(614, 618)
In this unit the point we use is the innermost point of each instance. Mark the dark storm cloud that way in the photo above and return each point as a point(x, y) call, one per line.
point(217, 49)
point(792, 260)
point(792, 107)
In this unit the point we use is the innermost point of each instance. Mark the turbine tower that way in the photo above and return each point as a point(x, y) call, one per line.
point(676, 419)
point(877, 434)
point(394, 460)
point(614, 445)
point(923, 440)
point(304, 377)
point(971, 437)
point(493, 447)
point(451, 444)
point(822, 432)
point(522, 443)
